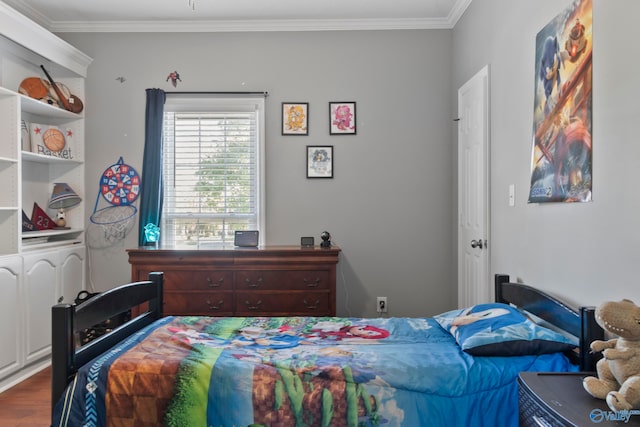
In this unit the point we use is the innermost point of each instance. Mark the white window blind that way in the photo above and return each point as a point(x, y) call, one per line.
point(213, 170)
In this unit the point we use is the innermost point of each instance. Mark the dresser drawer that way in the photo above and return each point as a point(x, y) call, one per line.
point(263, 281)
point(198, 303)
point(282, 303)
point(284, 279)
point(198, 280)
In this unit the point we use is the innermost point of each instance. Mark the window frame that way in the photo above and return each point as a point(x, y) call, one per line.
point(213, 102)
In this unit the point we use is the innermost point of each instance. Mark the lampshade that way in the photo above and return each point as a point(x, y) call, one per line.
point(63, 196)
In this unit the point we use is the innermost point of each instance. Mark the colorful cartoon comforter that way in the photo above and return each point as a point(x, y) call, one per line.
point(296, 371)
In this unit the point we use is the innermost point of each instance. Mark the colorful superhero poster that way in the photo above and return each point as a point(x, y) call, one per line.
point(561, 158)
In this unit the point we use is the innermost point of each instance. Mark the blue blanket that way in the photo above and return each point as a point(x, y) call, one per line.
point(296, 371)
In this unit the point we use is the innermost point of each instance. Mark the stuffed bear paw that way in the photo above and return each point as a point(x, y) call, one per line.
point(617, 401)
point(598, 388)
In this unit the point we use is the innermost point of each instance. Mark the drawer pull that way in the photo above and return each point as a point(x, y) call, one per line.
point(310, 306)
point(213, 284)
point(255, 284)
point(215, 307)
point(253, 307)
point(314, 284)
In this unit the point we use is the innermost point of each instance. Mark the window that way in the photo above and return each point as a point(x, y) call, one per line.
point(213, 165)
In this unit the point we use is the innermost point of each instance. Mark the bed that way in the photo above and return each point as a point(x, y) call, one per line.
point(302, 371)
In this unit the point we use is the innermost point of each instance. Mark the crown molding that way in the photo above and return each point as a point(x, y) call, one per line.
point(43, 45)
point(240, 25)
point(248, 25)
point(457, 11)
point(29, 13)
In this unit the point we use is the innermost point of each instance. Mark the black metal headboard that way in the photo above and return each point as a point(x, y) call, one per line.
point(68, 319)
point(580, 323)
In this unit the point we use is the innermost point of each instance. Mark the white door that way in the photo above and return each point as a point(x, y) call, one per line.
point(474, 285)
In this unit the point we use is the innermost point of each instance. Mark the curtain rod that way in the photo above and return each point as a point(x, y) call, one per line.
point(265, 93)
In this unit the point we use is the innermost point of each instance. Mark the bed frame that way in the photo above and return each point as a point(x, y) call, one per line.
point(68, 320)
point(580, 323)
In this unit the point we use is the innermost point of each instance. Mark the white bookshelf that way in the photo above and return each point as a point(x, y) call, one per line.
point(37, 268)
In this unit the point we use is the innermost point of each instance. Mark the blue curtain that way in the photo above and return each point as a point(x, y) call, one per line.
point(152, 185)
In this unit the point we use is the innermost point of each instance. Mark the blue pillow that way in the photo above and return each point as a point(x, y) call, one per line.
point(500, 330)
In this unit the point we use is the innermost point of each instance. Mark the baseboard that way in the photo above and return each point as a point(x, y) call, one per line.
point(24, 373)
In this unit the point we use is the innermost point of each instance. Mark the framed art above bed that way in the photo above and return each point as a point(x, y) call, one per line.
point(298, 371)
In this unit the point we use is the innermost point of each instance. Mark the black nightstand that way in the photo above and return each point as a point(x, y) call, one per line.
point(550, 399)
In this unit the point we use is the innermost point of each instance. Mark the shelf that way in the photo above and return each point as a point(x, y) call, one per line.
point(34, 106)
point(42, 239)
point(50, 233)
point(40, 108)
point(28, 156)
point(48, 245)
point(4, 92)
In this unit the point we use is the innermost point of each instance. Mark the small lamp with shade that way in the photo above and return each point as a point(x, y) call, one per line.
point(62, 197)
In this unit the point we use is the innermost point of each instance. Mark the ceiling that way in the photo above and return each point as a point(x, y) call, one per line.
point(239, 15)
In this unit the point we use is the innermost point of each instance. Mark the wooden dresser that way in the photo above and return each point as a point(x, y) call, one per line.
point(264, 281)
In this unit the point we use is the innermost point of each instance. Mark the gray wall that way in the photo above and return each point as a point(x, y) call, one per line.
point(390, 205)
point(586, 253)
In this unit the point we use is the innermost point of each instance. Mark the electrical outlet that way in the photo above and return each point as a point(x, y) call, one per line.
point(382, 305)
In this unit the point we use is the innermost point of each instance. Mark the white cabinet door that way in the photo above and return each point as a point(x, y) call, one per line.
point(10, 315)
point(40, 282)
point(71, 273)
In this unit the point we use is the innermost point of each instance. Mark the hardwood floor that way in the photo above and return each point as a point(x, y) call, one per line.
point(28, 404)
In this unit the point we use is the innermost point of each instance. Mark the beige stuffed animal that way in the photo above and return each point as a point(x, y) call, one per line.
point(618, 380)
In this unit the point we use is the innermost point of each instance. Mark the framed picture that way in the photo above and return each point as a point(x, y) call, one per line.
point(295, 118)
point(342, 118)
point(319, 161)
point(49, 140)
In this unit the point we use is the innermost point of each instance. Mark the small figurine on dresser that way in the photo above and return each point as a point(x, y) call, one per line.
point(61, 219)
point(326, 239)
point(618, 380)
